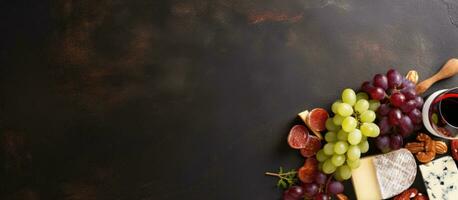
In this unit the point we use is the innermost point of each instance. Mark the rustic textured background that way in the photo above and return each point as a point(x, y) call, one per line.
point(156, 99)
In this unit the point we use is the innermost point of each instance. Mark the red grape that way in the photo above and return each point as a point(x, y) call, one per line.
point(335, 187)
point(366, 87)
point(380, 81)
point(310, 189)
point(419, 101)
point(406, 125)
point(406, 83)
point(383, 143)
point(396, 141)
point(409, 93)
point(384, 109)
point(415, 116)
point(320, 178)
point(408, 106)
point(397, 99)
point(394, 78)
point(322, 196)
point(377, 93)
point(296, 192)
point(384, 125)
point(394, 116)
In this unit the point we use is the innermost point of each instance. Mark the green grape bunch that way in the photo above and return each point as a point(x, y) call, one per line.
point(348, 130)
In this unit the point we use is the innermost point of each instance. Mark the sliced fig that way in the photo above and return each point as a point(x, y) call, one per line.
point(313, 146)
point(307, 172)
point(315, 120)
point(298, 137)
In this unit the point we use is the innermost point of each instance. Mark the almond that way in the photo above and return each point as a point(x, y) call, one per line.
point(412, 75)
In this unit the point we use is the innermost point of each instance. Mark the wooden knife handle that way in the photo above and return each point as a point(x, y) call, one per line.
point(448, 70)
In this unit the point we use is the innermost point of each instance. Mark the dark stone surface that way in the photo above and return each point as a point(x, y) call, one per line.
point(189, 99)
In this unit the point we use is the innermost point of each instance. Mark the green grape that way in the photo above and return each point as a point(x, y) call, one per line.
point(321, 156)
point(328, 149)
point(366, 129)
point(362, 95)
point(344, 172)
point(337, 176)
point(353, 164)
point(328, 167)
point(335, 105)
point(340, 147)
point(320, 166)
point(363, 146)
point(338, 160)
point(349, 124)
point(342, 135)
point(330, 125)
point(367, 116)
point(376, 130)
point(363, 138)
point(361, 105)
point(337, 119)
point(373, 105)
point(353, 152)
point(330, 136)
point(344, 109)
point(349, 96)
point(354, 137)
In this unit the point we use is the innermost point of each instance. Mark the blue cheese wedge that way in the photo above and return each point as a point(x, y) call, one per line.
point(441, 178)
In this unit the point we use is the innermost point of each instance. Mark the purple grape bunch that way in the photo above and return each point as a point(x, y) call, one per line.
point(399, 114)
point(321, 188)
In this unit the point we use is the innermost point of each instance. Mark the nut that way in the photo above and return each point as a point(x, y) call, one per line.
point(341, 197)
point(430, 145)
point(407, 194)
point(415, 147)
point(412, 75)
point(441, 147)
point(423, 137)
point(425, 157)
point(427, 148)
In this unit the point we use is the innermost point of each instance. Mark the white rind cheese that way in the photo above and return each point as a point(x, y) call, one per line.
point(441, 178)
point(395, 172)
point(384, 176)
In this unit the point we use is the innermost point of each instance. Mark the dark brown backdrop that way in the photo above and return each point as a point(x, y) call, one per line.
point(192, 99)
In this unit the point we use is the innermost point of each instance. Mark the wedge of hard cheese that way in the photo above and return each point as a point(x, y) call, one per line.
point(441, 178)
point(384, 176)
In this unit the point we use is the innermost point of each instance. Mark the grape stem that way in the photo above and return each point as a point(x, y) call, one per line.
point(279, 175)
point(327, 183)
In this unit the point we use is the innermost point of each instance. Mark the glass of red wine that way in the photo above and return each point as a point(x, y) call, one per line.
point(440, 113)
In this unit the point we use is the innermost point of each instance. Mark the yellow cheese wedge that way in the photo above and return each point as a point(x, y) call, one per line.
point(365, 180)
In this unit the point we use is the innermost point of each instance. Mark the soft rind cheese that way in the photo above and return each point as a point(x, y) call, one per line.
point(441, 178)
point(395, 172)
point(384, 176)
